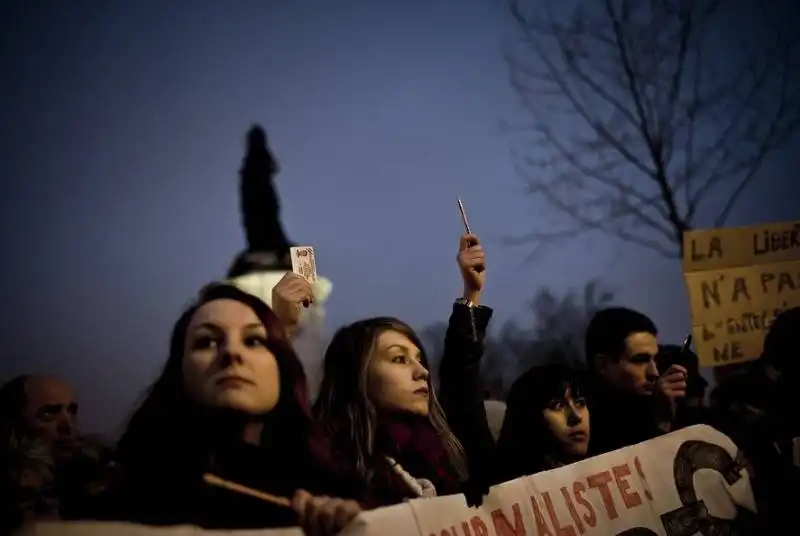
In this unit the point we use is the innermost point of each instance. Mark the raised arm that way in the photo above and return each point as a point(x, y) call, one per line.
point(459, 373)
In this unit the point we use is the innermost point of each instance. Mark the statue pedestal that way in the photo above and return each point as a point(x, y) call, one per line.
point(309, 343)
point(248, 262)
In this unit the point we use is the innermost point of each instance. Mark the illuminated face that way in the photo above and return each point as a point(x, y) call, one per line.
point(567, 418)
point(226, 362)
point(51, 411)
point(635, 371)
point(397, 381)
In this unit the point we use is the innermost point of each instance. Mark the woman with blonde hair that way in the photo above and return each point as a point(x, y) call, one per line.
point(379, 406)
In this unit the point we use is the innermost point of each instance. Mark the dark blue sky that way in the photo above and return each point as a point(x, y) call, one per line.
point(122, 134)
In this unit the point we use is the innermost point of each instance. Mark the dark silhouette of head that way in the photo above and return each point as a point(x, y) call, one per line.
point(258, 153)
point(782, 343)
point(256, 138)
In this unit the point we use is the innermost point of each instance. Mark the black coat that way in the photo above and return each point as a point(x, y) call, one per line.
point(461, 396)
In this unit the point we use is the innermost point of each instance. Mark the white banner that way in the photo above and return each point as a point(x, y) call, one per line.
point(688, 482)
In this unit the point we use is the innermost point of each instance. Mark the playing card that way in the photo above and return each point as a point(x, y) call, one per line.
point(304, 263)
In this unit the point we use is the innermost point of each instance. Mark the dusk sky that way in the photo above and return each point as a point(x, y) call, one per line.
point(122, 135)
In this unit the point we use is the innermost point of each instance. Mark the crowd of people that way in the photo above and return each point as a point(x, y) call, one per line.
point(232, 402)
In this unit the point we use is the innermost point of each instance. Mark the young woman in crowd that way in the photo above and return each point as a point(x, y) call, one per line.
point(546, 424)
point(231, 401)
point(380, 408)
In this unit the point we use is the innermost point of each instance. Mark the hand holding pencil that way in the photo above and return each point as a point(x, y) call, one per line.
point(471, 261)
point(318, 515)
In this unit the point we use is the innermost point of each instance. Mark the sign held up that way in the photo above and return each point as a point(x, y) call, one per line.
point(739, 279)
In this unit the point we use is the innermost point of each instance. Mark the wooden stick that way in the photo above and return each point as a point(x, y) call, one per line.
point(214, 480)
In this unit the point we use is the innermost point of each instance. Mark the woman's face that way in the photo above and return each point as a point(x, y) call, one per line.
point(567, 418)
point(396, 378)
point(226, 362)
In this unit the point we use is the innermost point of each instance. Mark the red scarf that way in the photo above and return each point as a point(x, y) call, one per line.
point(414, 443)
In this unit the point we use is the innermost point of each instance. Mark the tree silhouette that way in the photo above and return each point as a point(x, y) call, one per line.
point(494, 366)
point(555, 330)
point(643, 119)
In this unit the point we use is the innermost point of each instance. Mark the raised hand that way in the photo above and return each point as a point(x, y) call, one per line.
point(671, 387)
point(472, 263)
point(288, 297)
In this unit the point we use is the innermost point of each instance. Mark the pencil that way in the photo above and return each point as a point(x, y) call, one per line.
point(214, 480)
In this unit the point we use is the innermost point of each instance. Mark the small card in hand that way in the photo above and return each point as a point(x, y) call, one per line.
point(304, 263)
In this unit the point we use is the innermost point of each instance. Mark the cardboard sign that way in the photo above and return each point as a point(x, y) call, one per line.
point(738, 280)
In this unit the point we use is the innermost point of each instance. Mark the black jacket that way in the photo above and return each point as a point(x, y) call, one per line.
point(619, 419)
point(461, 396)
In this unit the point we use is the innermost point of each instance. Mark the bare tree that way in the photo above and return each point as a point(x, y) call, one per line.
point(558, 328)
point(643, 120)
point(561, 321)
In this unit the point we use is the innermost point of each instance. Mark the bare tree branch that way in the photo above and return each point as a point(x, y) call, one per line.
point(643, 122)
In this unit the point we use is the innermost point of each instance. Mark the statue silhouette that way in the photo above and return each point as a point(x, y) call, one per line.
point(267, 244)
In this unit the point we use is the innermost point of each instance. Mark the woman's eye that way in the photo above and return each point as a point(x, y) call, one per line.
point(399, 359)
point(556, 405)
point(255, 341)
point(580, 402)
point(204, 343)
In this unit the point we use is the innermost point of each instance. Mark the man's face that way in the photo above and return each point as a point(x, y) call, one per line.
point(635, 371)
point(51, 410)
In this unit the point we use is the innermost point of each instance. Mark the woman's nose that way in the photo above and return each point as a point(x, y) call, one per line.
point(231, 353)
point(573, 416)
point(420, 372)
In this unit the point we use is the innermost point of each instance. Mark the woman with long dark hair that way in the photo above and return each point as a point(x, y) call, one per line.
point(232, 401)
point(380, 408)
point(546, 424)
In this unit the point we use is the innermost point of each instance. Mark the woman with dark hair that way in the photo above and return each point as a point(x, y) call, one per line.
point(546, 424)
point(231, 401)
point(379, 406)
